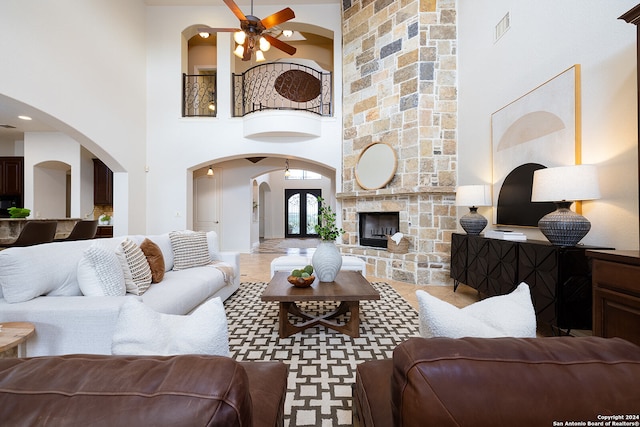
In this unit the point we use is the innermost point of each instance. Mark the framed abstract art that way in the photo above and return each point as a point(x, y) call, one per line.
point(539, 129)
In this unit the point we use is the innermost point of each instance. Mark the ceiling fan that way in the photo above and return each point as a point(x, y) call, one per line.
point(252, 34)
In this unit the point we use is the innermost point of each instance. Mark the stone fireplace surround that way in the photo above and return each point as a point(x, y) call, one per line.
point(427, 220)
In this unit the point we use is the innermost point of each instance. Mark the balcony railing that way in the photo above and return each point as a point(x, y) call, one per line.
point(199, 95)
point(282, 86)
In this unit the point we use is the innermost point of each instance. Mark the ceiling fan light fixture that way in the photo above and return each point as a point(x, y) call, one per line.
point(264, 44)
point(239, 52)
point(239, 37)
point(259, 56)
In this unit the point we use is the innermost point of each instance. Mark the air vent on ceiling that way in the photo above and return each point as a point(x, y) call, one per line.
point(502, 27)
point(7, 126)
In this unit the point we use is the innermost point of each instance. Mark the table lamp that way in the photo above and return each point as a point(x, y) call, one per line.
point(473, 196)
point(563, 186)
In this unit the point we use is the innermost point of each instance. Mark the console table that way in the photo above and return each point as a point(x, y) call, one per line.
point(559, 277)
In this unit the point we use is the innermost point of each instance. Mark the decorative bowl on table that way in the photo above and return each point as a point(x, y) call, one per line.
point(301, 282)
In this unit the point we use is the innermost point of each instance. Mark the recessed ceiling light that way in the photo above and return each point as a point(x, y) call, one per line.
point(24, 117)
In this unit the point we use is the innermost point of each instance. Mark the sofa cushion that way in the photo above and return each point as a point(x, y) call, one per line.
point(180, 292)
point(141, 330)
point(153, 253)
point(190, 249)
point(137, 273)
point(100, 272)
point(510, 315)
point(47, 269)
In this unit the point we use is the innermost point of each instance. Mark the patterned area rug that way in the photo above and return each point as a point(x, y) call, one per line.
point(321, 362)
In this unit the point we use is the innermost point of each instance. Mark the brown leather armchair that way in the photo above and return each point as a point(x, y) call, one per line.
point(185, 390)
point(499, 382)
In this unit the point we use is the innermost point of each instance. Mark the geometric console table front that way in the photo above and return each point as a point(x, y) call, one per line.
point(559, 278)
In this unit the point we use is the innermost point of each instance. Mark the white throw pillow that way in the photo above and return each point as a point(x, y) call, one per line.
point(190, 249)
point(99, 272)
point(137, 273)
point(510, 315)
point(141, 330)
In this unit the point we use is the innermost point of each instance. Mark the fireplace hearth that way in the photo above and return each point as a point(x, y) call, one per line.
point(374, 227)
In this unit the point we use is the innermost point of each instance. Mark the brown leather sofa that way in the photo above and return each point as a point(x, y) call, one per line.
point(500, 382)
point(186, 390)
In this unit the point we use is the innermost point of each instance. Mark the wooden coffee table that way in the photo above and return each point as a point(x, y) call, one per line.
point(348, 289)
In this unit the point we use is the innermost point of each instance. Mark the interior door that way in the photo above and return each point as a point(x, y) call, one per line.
point(301, 212)
point(206, 198)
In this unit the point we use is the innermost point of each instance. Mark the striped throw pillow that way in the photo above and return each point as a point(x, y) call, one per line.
point(190, 249)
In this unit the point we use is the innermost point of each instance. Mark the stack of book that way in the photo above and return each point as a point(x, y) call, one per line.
point(505, 235)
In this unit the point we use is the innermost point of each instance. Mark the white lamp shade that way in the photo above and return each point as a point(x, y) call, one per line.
point(473, 195)
point(565, 183)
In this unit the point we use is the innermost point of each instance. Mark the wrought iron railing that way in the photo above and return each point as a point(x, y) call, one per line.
point(199, 95)
point(282, 86)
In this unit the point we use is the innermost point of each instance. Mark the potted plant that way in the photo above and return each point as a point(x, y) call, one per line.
point(104, 219)
point(15, 212)
point(326, 259)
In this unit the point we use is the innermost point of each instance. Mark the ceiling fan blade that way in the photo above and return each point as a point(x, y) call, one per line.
point(278, 18)
point(246, 55)
point(235, 9)
point(277, 43)
point(217, 30)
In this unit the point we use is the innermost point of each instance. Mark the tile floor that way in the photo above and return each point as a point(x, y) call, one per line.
point(256, 267)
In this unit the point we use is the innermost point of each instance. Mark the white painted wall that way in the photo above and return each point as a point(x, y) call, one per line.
point(177, 146)
point(82, 67)
point(45, 187)
point(546, 38)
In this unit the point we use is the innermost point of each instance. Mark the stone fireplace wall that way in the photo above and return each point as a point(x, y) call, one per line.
point(400, 89)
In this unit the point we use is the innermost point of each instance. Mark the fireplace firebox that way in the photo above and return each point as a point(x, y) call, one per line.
point(374, 227)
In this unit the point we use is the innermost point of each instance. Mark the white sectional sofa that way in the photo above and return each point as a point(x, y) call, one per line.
point(40, 284)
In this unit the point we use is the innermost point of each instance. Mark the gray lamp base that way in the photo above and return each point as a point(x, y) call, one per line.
point(564, 227)
point(473, 223)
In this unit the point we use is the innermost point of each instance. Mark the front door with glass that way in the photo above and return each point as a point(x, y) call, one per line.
point(301, 212)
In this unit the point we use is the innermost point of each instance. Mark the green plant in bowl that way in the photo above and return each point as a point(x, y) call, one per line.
point(15, 212)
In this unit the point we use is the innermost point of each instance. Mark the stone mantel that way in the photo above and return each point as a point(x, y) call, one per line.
point(385, 192)
point(10, 228)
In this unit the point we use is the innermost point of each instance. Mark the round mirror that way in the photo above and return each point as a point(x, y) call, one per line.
point(376, 166)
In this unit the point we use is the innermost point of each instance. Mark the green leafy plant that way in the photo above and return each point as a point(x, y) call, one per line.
point(18, 212)
point(326, 227)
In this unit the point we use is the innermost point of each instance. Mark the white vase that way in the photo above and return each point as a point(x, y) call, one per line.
point(326, 261)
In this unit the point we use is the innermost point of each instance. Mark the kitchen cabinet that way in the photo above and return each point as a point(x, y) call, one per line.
point(102, 184)
point(11, 176)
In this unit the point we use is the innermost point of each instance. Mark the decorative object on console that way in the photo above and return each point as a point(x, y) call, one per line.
point(473, 196)
point(510, 315)
point(563, 186)
point(326, 259)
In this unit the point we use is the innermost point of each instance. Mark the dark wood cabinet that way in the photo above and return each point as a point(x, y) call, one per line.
point(616, 294)
point(104, 231)
point(11, 176)
point(102, 184)
point(559, 278)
